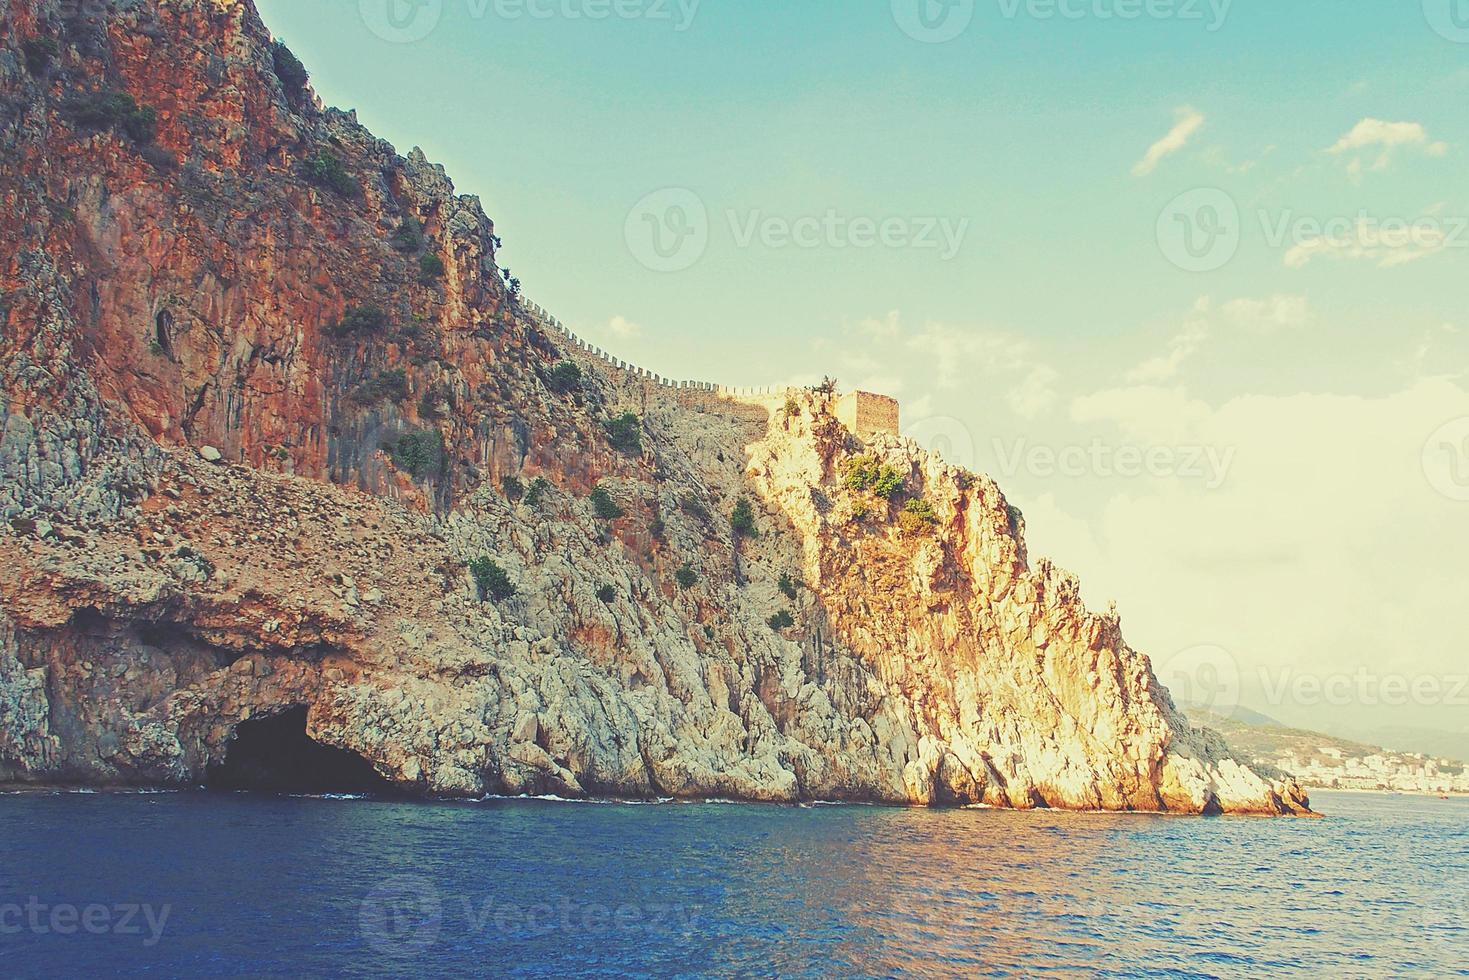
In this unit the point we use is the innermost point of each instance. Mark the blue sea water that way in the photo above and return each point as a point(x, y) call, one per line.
point(234, 885)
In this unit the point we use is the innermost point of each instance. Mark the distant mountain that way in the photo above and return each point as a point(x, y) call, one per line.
point(1326, 761)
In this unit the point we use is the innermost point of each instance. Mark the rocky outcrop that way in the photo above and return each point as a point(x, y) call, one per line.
point(267, 396)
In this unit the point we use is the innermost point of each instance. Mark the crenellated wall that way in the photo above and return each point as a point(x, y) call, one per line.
point(688, 392)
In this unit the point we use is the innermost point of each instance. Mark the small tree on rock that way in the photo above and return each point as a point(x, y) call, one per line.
point(491, 581)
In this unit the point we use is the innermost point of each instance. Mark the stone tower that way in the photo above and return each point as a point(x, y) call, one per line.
point(867, 415)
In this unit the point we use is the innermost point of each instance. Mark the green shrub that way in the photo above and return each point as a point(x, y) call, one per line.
point(607, 593)
point(889, 483)
point(324, 169)
point(409, 236)
point(917, 517)
point(860, 512)
point(656, 527)
point(787, 585)
point(537, 490)
point(686, 577)
point(565, 377)
point(431, 267)
point(514, 490)
point(384, 386)
point(782, 620)
point(420, 453)
point(742, 521)
point(868, 473)
point(112, 109)
point(39, 53)
point(358, 319)
point(792, 408)
point(625, 432)
point(694, 508)
point(288, 68)
point(492, 581)
point(604, 506)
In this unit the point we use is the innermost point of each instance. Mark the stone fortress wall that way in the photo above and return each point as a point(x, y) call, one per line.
point(863, 413)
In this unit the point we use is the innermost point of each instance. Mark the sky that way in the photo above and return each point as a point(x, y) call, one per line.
point(1187, 277)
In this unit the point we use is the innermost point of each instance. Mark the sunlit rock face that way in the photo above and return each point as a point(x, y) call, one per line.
point(267, 396)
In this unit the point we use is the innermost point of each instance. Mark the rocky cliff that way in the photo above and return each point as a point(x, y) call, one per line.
point(268, 400)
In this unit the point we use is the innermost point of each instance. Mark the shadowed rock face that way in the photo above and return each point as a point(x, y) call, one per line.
point(249, 284)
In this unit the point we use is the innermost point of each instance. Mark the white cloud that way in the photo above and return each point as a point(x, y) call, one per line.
point(1035, 393)
point(1280, 312)
point(952, 349)
point(1389, 137)
point(942, 356)
point(624, 329)
point(1190, 121)
point(1149, 413)
point(1181, 347)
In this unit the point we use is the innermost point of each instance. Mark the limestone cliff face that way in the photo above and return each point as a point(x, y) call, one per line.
point(222, 263)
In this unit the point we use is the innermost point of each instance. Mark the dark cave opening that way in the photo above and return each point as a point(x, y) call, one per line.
point(275, 755)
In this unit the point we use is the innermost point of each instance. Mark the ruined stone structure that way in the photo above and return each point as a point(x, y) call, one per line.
point(868, 415)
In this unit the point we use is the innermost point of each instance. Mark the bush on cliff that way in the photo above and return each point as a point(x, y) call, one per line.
point(917, 518)
point(868, 473)
point(625, 432)
point(694, 508)
point(491, 581)
point(686, 577)
point(356, 320)
point(782, 620)
point(112, 109)
point(288, 69)
point(409, 236)
point(420, 453)
point(513, 489)
point(565, 377)
point(787, 585)
point(538, 488)
point(742, 521)
point(604, 506)
point(324, 169)
point(607, 594)
point(39, 53)
point(431, 267)
point(384, 386)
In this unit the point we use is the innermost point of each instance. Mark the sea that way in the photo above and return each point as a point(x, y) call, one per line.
point(238, 885)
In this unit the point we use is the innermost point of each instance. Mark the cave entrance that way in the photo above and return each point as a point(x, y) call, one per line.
point(275, 755)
